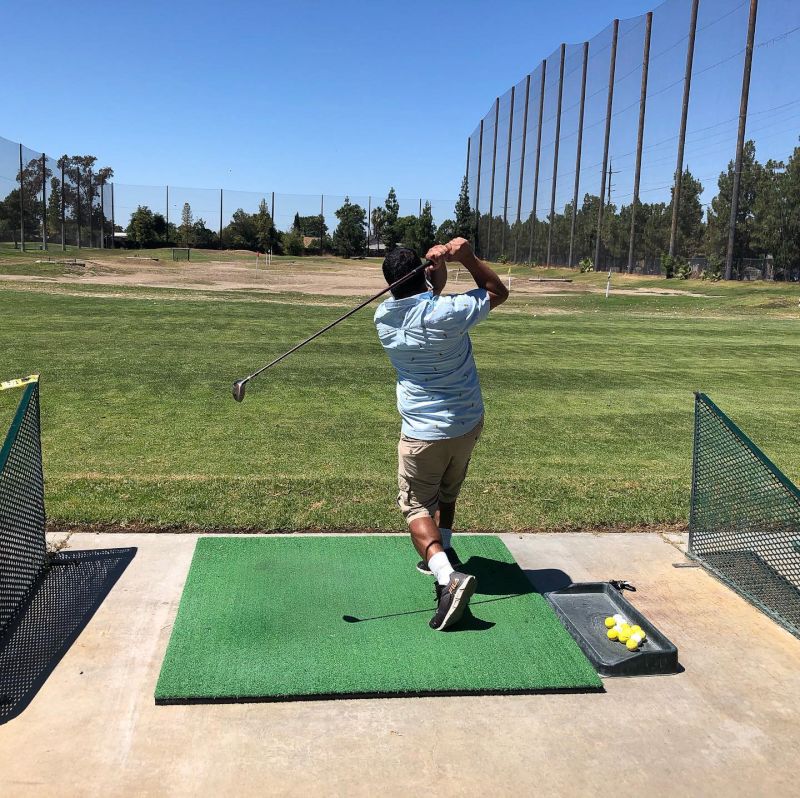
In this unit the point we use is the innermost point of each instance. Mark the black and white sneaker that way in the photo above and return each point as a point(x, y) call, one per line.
point(422, 566)
point(453, 599)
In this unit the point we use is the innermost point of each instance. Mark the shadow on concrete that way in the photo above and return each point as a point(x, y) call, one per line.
point(64, 600)
point(546, 579)
point(497, 578)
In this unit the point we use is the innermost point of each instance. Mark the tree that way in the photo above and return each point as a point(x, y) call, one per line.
point(405, 228)
point(292, 242)
point(186, 230)
point(774, 223)
point(719, 215)
point(465, 220)
point(160, 226)
point(446, 231)
point(349, 237)
point(390, 234)
point(267, 237)
point(424, 231)
point(202, 236)
point(690, 215)
point(141, 228)
point(377, 220)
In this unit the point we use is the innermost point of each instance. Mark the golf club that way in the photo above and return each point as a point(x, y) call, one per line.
point(240, 385)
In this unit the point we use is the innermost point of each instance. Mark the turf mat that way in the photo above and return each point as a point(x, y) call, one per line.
point(275, 618)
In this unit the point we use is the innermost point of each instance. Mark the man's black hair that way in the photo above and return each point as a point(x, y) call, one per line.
point(398, 263)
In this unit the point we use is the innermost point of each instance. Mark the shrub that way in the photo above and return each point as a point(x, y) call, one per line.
point(684, 270)
point(586, 265)
point(713, 270)
point(502, 258)
point(669, 264)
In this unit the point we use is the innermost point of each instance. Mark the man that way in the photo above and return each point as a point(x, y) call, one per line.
point(426, 336)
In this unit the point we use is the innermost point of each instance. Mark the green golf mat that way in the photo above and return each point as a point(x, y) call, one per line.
point(279, 618)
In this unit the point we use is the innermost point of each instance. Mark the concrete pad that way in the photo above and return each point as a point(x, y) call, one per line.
point(727, 725)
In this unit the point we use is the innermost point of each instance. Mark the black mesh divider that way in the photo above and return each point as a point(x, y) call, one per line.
point(50, 620)
point(22, 541)
point(745, 517)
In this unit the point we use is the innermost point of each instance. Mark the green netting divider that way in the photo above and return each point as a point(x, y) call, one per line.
point(22, 539)
point(744, 524)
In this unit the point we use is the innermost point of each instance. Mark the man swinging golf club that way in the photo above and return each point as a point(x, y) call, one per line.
point(426, 336)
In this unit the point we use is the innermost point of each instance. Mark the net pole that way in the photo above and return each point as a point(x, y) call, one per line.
point(102, 215)
point(113, 225)
point(687, 88)
point(737, 174)
point(491, 184)
point(167, 214)
point(577, 185)
point(78, 201)
point(44, 202)
point(508, 171)
point(640, 137)
point(522, 162)
point(63, 211)
point(91, 209)
point(21, 204)
point(555, 153)
point(536, 167)
point(369, 226)
point(478, 191)
point(609, 106)
point(220, 218)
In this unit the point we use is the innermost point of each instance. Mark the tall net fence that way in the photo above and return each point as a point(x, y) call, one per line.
point(745, 517)
point(71, 201)
point(672, 135)
point(22, 540)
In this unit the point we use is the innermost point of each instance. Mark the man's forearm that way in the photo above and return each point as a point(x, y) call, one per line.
point(485, 277)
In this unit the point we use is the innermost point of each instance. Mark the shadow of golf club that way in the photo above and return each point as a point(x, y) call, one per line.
point(503, 580)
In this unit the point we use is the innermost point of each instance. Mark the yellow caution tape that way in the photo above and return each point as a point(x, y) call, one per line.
point(18, 383)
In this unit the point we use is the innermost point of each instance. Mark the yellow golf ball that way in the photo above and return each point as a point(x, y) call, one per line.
point(632, 645)
point(610, 622)
point(612, 634)
point(636, 628)
point(623, 637)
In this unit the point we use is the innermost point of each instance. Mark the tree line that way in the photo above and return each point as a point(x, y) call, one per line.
point(83, 186)
point(767, 222)
point(767, 225)
point(352, 236)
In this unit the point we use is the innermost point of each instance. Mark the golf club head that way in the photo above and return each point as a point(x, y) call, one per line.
point(238, 389)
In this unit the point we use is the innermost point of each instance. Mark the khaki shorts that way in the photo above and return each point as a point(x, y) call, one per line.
point(432, 471)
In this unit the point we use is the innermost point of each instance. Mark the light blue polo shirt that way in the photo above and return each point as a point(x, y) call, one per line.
point(427, 339)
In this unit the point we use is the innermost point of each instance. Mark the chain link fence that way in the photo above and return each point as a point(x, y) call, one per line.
point(672, 134)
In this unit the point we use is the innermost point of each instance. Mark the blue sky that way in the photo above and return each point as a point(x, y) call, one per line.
point(348, 97)
point(297, 97)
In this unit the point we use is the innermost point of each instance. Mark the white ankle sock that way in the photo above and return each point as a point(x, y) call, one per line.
point(447, 537)
point(440, 567)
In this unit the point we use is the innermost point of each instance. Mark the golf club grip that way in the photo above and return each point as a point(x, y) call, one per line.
point(349, 313)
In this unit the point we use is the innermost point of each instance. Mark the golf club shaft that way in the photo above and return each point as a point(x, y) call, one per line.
point(349, 313)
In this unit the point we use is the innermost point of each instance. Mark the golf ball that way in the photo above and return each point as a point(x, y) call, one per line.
point(610, 622)
point(612, 633)
point(632, 644)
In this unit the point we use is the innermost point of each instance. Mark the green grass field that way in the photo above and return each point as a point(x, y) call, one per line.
point(589, 404)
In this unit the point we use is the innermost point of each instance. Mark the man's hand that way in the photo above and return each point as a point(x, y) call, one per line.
point(459, 249)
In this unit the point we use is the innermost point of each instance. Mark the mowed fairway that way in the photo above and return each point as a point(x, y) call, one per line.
point(589, 406)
